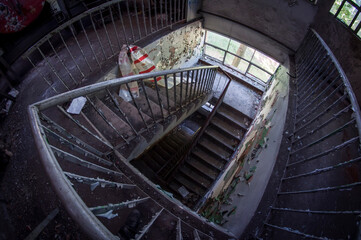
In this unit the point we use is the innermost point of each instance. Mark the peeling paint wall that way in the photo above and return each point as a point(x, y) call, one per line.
point(179, 49)
point(249, 173)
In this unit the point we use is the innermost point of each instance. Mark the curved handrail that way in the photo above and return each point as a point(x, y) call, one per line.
point(355, 105)
point(63, 188)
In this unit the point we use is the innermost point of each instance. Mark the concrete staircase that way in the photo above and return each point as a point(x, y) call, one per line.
point(210, 155)
point(86, 155)
point(191, 176)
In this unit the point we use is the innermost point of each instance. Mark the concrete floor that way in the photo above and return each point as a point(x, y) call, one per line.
point(238, 95)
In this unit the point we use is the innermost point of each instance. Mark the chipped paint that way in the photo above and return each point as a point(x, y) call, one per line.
point(248, 173)
point(178, 49)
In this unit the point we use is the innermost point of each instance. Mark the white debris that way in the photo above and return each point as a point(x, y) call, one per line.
point(183, 191)
point(94, 185)
point(108, 215)
point(76, 105)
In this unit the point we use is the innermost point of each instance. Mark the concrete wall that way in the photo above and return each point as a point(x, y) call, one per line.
point(178, 49)
point(275, 27)
point(342, 42)
point(255, 160)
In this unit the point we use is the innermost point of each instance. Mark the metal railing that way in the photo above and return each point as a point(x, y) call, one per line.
point(320, 195)
point(84, 45)
point(64, 138)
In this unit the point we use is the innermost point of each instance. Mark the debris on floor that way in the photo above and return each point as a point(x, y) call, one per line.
point(76, 105)
point(35, 233)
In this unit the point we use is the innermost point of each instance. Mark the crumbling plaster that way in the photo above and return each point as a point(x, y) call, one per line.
point(179, 49)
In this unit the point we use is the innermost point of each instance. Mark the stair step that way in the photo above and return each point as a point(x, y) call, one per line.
point(236, 133)
point(216, 149)
point(116, 121)
point(145, 169)
point(230, 143)
point(158, 158)
point(189, 184)
point(143, 105)
point(168, 146)
point(152, 94)
point(208, 158)
point(150, 162)
point(235, 115)
point(203, 167)
point(195, 176)
point(166, 155)
point(231, 121)
point(130, 111)
point(199, 170)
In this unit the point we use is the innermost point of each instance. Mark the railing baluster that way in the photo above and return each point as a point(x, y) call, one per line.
point(137, 107)
point(159, 99)
point(116, 103)
point(130, 20)
point(144, 22)
point(97, 35)
point(186, 97)
point(42, 75)
point(181, 90)
point(123, 27)
point(156, 15)
point(137, 18)
point(52, 68)
point(90, 45)
point(147, 99)
point(161, 13)
point(175, 92)
point(80, 48)
point(115, 28)
point(166, 91)
point(150, 16)
point(61, 61)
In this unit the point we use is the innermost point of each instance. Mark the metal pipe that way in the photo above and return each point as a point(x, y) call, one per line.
point(181, 90)
point(325, 189)
point(150, 17)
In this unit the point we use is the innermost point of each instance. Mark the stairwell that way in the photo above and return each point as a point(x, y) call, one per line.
point(97, 160)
